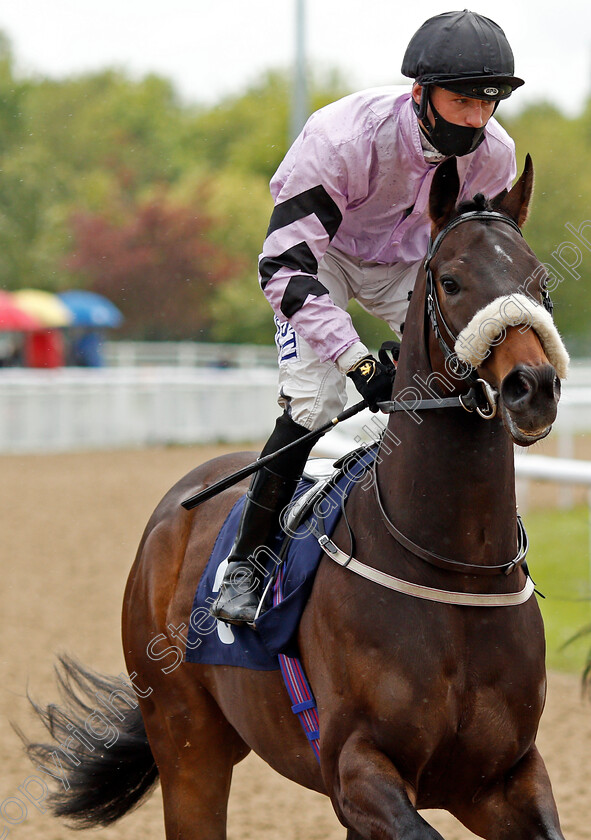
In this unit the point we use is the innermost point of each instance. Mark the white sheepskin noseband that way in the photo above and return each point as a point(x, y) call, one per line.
point(487, 328)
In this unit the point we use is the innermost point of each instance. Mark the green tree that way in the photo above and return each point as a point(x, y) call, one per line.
point(159, 266)
point(249, 132)
point(104, 146)
point(101, 146)
point(239, 144)
point(71, 144)
point(12, 94)
point(559, 146)
point(105, 121)
point(239, 205)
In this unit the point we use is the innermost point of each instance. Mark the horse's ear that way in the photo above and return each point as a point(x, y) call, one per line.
point(444, 193)
point(498, 199)
point(516, 202)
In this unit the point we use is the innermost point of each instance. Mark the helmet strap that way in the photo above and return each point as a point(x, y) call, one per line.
point(423, 106)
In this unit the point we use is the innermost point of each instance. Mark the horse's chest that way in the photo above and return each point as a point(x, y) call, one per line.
point(449, 695)
point(445, 731)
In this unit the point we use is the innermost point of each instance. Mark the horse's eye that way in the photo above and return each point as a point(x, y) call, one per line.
point(449, 285)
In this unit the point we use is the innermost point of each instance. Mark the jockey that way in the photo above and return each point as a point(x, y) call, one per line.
point(351, 221)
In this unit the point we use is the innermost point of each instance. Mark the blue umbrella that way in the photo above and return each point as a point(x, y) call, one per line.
point(90, 309)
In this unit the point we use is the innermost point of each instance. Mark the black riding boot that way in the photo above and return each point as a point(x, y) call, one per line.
point(270, 491)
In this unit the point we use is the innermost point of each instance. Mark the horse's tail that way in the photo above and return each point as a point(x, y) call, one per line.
point(101, 758)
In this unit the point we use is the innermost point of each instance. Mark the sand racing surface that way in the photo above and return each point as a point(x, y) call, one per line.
point(70, 527)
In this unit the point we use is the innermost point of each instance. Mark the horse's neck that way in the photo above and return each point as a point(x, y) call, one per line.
point(447, 477)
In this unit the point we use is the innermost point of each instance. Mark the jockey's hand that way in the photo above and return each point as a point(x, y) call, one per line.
point(373, 380)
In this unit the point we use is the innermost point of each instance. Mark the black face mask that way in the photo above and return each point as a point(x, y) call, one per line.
point(451, 139)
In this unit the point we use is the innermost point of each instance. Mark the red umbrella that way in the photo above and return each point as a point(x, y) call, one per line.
point(13, 318)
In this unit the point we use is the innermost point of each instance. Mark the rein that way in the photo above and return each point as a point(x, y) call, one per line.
point(444, 562)
point(470, 402)
point(416, 590)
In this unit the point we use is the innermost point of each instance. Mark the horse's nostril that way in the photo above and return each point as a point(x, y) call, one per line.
point(517, 388)
point(528, 388)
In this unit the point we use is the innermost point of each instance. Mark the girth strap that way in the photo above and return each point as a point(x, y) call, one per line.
point(444, 562)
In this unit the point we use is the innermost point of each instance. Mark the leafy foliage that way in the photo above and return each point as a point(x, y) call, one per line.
point(157, 262)
point(249, 133)
point(559, 147)
point(114, 184)
point(103, 158)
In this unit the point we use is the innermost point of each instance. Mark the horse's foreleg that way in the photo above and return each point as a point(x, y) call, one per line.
point(521, 805)
point(369, 796)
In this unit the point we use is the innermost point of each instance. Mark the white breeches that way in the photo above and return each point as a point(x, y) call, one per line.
point(313, 392)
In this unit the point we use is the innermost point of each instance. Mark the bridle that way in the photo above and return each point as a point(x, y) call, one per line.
point(481, 396)
point(479, 391)
point(432, 301)
point(469, 401)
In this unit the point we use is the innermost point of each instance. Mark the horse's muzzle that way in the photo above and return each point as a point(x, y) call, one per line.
point(529, 398)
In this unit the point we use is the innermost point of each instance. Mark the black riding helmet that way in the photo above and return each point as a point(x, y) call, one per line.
point(466, 53)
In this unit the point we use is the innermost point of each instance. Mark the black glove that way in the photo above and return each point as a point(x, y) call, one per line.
point(373, 380)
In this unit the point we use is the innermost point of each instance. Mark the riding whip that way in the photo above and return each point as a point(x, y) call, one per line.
point(233, 479)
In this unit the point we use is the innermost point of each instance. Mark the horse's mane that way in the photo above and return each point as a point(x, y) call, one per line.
point(479, 202)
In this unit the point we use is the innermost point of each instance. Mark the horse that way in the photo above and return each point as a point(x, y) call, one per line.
point(427, 698)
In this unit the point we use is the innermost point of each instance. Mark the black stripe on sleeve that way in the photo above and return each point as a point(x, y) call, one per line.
point(298, 258)
point(315, 200)
point(296, 292)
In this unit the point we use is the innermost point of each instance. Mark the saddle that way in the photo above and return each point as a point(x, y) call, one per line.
point(316, 507)
point(320, 476)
